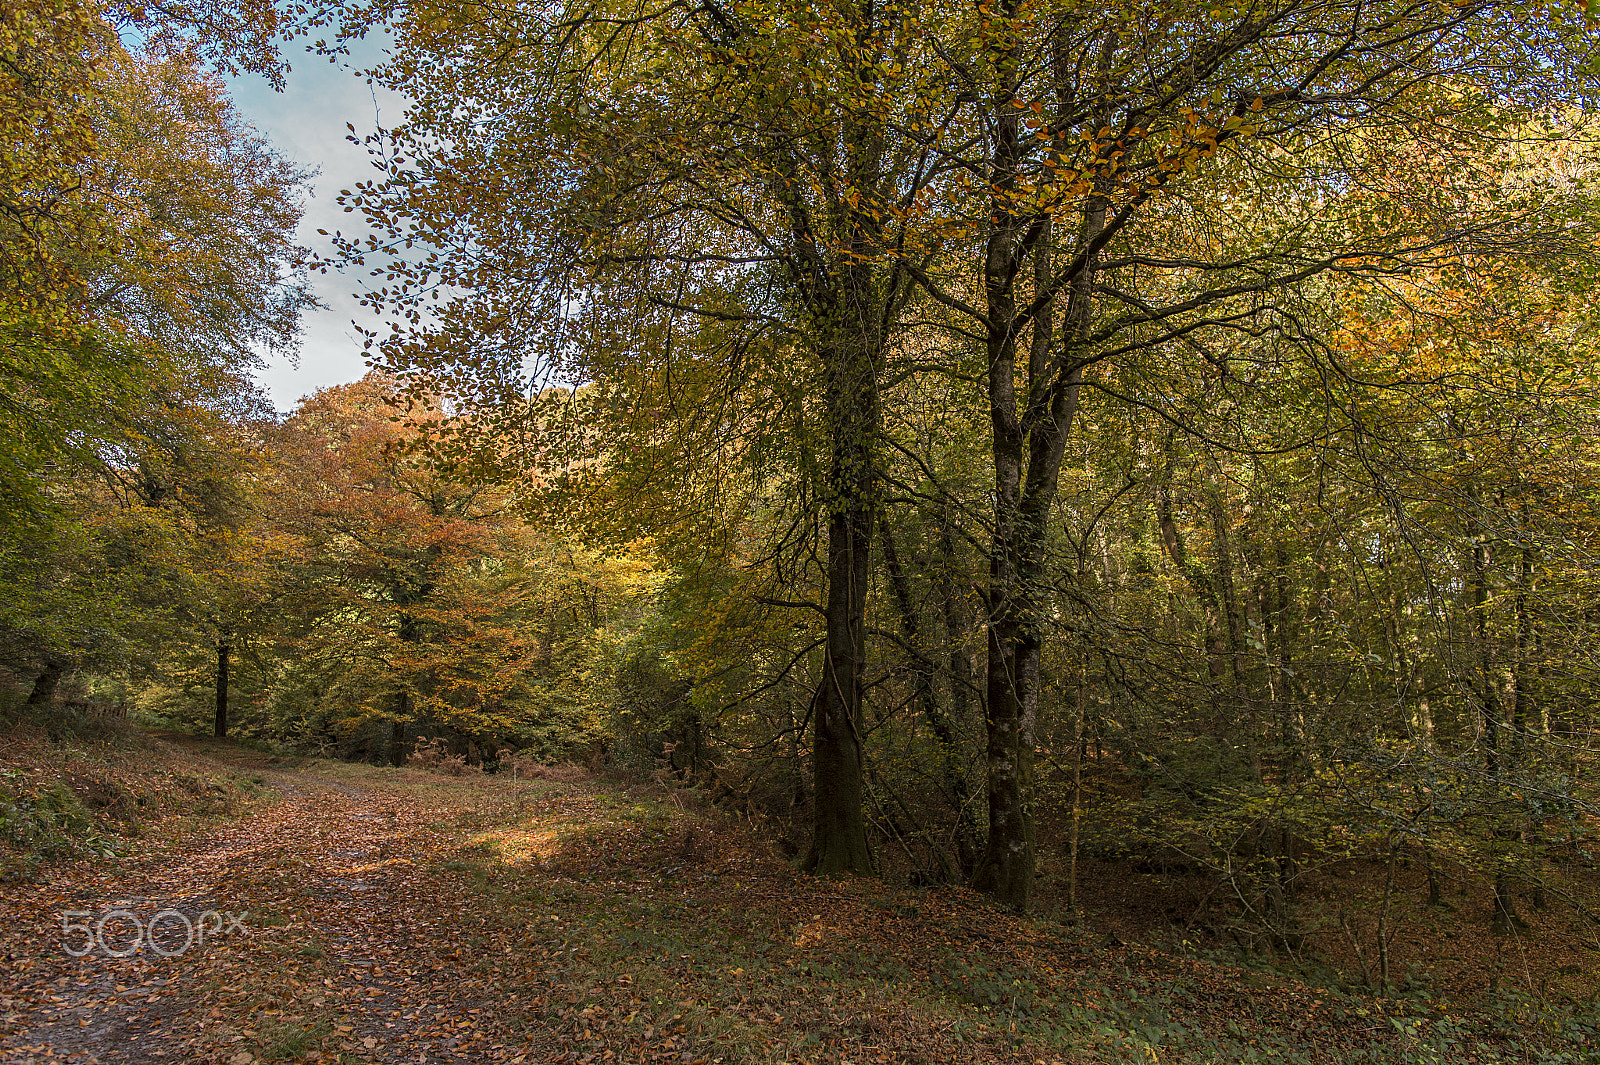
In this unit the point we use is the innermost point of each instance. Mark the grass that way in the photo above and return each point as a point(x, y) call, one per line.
point(290, 1041)
point(715, 934)
point(107, 791)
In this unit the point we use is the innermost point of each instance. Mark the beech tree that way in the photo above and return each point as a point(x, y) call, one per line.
point(740, 164)
point(1152, 180)
point(406, 602)
point(150, 262)
point(878, 186)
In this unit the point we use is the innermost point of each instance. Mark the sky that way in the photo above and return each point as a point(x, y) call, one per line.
point(306, 124)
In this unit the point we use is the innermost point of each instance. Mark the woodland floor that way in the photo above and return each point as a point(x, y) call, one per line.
point(397, 916)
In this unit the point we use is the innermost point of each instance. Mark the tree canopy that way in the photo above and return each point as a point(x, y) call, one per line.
point(777, 233)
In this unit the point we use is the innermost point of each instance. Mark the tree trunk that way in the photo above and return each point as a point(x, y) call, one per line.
point(1491, 716)
point(1006, 869)
point(397, 728)
point(1028, 444)
point(1489, 708)
point(220, 724)
point(44, 685)
point(851, 297)
point(1016, 583)
point(839, 828)
point(1383, 919)
point(409, 631)
point(1028, 448)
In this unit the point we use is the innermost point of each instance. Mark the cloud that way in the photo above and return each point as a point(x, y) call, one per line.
point(306, 124)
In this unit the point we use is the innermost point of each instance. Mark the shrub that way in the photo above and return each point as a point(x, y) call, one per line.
point(525, 766)
point(47, 822)
point(433, 756)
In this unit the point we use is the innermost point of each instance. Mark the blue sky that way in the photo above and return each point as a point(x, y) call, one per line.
point(306, 123)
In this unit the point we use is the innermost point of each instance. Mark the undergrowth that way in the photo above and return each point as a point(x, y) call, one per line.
point(47, 820)
point(710, 928)
point(73, 787)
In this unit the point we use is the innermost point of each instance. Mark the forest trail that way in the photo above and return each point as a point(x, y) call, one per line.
point(331, 874)
point(371, 915)
point(375, 915)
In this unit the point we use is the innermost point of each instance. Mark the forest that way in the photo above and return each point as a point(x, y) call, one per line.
point(1136, 460)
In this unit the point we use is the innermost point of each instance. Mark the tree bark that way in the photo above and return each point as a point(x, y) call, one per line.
point(1006, 869)
point(397, 729)
point(839, 826)
point(1028, 443)
point(409, 631)
point(850, 296)
point(220, 723)
point(1491, 716)
point(1490, 712)
point(406, 593)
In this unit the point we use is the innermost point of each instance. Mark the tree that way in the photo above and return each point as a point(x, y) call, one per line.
point(379, 534)
point(148, 271)
point(738, 164)
point(1117, 149)
point(419, 603)
point(623, 175)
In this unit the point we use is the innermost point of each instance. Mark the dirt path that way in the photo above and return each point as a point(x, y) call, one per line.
point(312, 928)
point(374, 916)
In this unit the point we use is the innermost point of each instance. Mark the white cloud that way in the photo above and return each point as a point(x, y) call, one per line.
point(306, 124)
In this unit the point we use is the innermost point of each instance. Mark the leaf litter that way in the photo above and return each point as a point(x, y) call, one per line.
point(398, 916)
